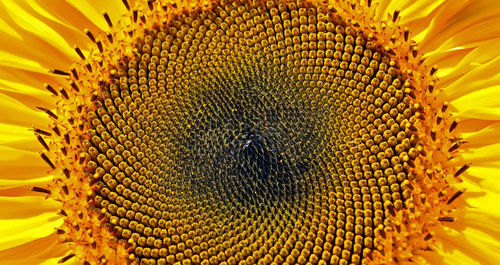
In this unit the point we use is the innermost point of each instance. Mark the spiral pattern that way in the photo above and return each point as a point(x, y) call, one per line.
point(253, 133)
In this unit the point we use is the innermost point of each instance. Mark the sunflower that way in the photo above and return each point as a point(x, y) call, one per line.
point(243, 132)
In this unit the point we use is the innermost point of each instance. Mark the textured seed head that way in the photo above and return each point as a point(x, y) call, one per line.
point(252, 133)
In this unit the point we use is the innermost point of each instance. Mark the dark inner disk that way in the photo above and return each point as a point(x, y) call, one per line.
point(246, 144)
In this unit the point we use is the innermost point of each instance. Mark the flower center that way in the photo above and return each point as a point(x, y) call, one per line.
point(251, 133)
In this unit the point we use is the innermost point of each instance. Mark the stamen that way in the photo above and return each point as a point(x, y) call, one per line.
point(453, 126)
point(395, 15)
point(39, 189)
point(455, 196)
point(64, 93)
point(47, 160)
point(99, 46)
point(135, 15)
point(454, 147)
point(56, 130)
point(43, 132)
point(59, 72)
point(50, 89)
point(406, 33)
point(108, 20)
point(74, 73)
point(48, 112)
point(89, 34)
point(42, 141)
point(67, 173)
point(433, 69)
point(66, 258)
point(462, 170)
point(150, 4)
point(74, 86)
point(80, 53)
point(110, 37)
point(125, 2)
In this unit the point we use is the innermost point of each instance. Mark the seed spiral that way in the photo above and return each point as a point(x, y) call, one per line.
point(252, 133)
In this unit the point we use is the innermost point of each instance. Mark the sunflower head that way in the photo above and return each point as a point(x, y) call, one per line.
point(243, 132)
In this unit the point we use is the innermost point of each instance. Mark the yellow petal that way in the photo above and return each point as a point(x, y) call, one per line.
point(482, 135)
point(15, 112)
point(20, 165)
point(487, 104)
point(16, 232)
point(26, 206)
point(45, 250)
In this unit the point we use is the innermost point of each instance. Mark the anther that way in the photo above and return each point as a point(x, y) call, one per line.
point(66, 258)
point(430, 88)
point(433, 134)
point(89, 34)
point(99, 46)
point(439, 118)
point(433, 69)
point(453, 126)
point(135, 15)
point(108, 20)
point(39, 189)
point(110, 37)
point(75, 74)
point(395, 15)
point(406, 33)
point(74, 86)
point(64, 93)
point(47, 160)
point(66, 173)
point(48, 112)
point(56, 130)
point(89, 67)
point(65, 189)
point(40, 131)
point(42, 141)
point(454, 147)
point(125, 2)
point(414, 52)
point(59, 72)
point(50, 89)
point(80, 53)
point(455, 196)
point(462, 170)
point(444, 107)
point(446, 219)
